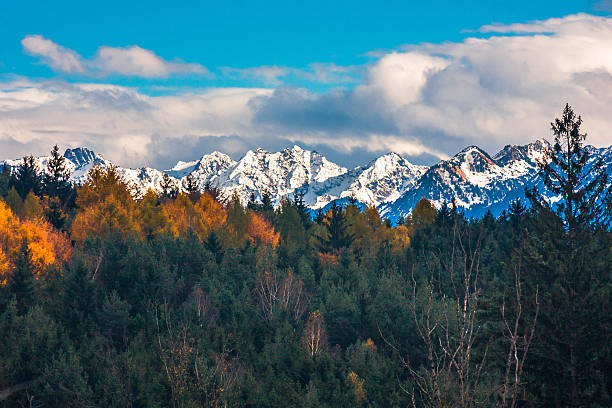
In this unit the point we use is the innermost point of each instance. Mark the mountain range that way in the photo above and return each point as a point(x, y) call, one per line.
point(473, 179)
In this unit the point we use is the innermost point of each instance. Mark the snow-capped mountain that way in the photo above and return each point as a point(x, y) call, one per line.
point(380, 181)
point(279, 174)
point(78, 161)
point(474, 180)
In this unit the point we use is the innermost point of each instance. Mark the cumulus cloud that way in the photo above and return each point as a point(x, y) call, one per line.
point(425, 100)
point(52, 54)
point(128, 61)
point(487, 91)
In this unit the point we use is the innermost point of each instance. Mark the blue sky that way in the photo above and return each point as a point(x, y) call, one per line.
point(243, 34)
point(353, 79)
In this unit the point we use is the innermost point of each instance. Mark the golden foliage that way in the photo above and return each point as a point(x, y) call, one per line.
point(356, 383)
point(211, 212)
point(260, 231)
point(401, 237)
point(105, 204)
point(105, 216)
point(205, 216)
point(152, 215)
point(47, 246)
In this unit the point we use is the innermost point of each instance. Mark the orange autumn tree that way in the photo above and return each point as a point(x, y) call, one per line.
point(105, 204)
point(206, 215)
point(47, 246)
point(259, 231)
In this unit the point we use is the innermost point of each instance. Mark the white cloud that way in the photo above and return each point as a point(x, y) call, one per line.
point(56, 56)
point(136, 61)
point(126, 61)
point(424, 100)
point(116, 121)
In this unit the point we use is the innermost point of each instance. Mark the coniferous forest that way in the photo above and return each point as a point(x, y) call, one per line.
point(185, 299)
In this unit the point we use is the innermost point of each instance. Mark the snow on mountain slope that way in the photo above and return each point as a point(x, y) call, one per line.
point(472, 179)
point(278, 174)
point(78, 161)
point(475, 181)
point(382, 180)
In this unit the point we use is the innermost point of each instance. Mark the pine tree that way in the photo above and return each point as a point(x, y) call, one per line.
point(5, 180)
point(56, 179)
point(568, 259)
point(338, 236)
point(300, 205)
point(252, 204)
point(27, 178)
point(586, 196)
point(266, 203)
point(22, 282)
point(212, 190)
point(191, 186)
point(213, 244)
point(168, 187)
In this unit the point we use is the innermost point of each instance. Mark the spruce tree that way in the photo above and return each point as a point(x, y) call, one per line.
point(213, 244)
point(27, 178)
point(5, 181)
point(585, 195)
point(57, 176)
point(569, 264)
point(191, 186)
point(22, 282)
point(168, 188)
point(338, 236)
point(300, 205)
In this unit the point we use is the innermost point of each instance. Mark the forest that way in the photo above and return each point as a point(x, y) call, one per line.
point(115, 298)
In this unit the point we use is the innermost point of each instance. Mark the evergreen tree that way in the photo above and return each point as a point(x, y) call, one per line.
point(266, 203)
point(22, 282)
point(27, 177)
point(56, 182)
point(5, 180)
point(168, 187)
point(213, 190)
point(337, 236)
point(191, 186)
point(586, 196)
point(213, 244)
point(300, 205)
point(570, 265)
point(252, 204)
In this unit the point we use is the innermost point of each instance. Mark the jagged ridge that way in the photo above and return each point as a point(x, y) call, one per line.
point(473, 179)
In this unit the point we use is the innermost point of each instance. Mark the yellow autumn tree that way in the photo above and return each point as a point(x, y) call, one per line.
point(181, 214)
point(259, 231)
point(211, 213)
point(153, 217)
point(105, 204)
point(47, 246)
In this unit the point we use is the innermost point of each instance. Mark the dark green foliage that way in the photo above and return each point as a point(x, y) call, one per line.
point(586, 196)
point(161, 321)
point(22, 281)
point(27, 177)
point(168, 187)
point(337, 234)
point(191, 186)
point(213, 244)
